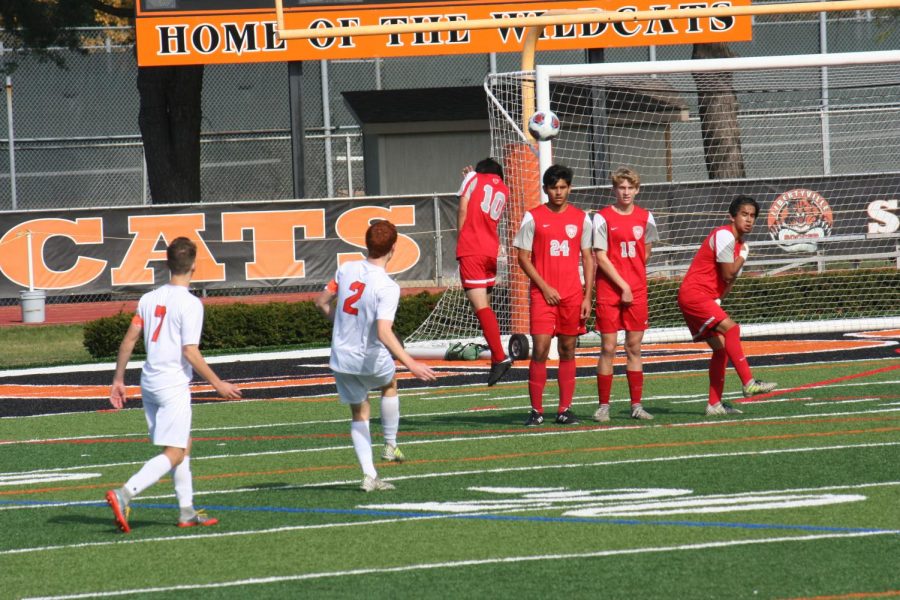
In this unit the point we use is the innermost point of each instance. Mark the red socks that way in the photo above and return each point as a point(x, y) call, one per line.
point(491, 330)
point(537, 380)
point(717, 365)
point(566, 378)
point(604, 387)
point(635, 385)
point(736, 354)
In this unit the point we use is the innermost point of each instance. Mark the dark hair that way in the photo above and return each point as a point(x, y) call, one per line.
point(556, 172)
point(739, 201)
point(180, 256)
point(380, 238)
point(489, 166)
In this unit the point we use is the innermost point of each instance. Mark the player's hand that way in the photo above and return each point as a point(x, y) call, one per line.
point(627, 296)
point(467, 169)
point(228, 390)
point(551, 296)
point(745, 251)
point(584, 313)
point(422, 371)
point(117, 395)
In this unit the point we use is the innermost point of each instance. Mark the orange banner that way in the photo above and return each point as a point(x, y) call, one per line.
point(239, 36)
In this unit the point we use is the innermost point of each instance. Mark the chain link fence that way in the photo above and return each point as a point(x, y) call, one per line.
point(71, 136)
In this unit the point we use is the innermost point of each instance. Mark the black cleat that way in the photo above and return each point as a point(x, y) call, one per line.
point(498, 370)
point(534, 419)
point(567, 417)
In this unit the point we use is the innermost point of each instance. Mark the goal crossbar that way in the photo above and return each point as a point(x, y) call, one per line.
point(575, 18)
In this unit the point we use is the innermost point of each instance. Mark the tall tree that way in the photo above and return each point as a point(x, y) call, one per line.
point(718, 107)
point(170, 97)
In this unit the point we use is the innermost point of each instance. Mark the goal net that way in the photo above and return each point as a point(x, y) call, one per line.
point(812, 138)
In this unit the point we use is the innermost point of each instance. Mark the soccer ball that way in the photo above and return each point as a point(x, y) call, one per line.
point(543, 125)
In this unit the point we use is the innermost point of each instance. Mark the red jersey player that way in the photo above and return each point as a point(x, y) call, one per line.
point(623, 238)
point(482, 197)
point(713, 271)
point(553, 240)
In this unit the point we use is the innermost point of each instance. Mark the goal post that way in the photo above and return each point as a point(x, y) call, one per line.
point(811, 137)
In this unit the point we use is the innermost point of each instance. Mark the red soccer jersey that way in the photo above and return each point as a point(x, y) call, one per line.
point(625, 239)
point(555, 241)
point(487, 198)
point(703, 281)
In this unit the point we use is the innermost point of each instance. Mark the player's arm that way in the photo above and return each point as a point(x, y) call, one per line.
point(117, 394)
point(389, 339)
point(551, 295)
point(587, 264)
point(225, 389)
point(326, 300)
point(465, 193)
point(728, 264)
point(606, 266)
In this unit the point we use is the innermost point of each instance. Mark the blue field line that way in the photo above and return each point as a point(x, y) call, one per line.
point(358, 512)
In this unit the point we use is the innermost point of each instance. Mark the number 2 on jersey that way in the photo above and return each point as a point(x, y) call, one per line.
point(358, 287)
point(160, 312)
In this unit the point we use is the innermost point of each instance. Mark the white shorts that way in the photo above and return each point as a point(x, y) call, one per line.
point(354, 389)
point(168, 415)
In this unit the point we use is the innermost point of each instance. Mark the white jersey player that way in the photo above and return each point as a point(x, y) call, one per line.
point(171, 320)
point(362, 301)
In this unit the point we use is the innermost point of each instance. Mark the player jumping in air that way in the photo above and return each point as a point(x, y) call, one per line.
point(482, 198)
point(553, 240)
point(623, 238)
point(362, 301)
point(714, 269)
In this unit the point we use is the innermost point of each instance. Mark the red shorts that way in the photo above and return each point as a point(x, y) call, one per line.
point(477, 271)
point(618, 317)
point(701, 316)
point(562, 319)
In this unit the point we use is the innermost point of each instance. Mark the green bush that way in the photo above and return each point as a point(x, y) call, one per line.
point(838, 294)
point(103, 336)
point(247, 326)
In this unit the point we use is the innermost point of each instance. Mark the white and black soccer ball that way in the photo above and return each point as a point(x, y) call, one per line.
point(543, 125)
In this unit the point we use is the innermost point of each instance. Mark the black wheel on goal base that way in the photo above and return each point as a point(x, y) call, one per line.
point(518, 346)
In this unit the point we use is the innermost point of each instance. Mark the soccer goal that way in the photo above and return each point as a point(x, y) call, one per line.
point(813, 138)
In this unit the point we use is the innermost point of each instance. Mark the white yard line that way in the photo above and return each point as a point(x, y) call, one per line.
point(466, 563)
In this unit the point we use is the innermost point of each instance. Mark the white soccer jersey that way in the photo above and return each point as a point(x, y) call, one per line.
point(365, 294)
point(172, 318)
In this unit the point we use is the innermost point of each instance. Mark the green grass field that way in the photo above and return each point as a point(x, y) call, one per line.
point(796, 498)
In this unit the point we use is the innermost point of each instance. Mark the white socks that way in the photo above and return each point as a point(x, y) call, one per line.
point(390, 418)
point(184, 484)
point(152, 471)
point(362, 443)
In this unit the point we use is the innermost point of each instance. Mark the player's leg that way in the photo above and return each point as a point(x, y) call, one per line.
point(161, 423)
point(537, 376)
point(634, 373)
point(717, 364)
point(566, 379)
point(568, 325)
point(478, 274)
point(183, 480)
point(390, 421)
point(731, 334)
point(354, 392)
point(605, 373)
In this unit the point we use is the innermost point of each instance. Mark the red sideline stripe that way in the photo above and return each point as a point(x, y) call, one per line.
point(819, 384)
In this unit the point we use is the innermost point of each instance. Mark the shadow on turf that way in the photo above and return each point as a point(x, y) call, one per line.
point(106, 522)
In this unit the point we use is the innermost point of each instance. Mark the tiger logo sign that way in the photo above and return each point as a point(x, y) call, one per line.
point(798, 219)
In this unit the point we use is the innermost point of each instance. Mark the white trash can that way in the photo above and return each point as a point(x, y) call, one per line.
point(32, 303)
